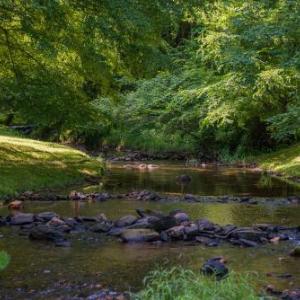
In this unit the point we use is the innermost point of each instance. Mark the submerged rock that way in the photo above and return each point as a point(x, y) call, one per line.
point(139, 235)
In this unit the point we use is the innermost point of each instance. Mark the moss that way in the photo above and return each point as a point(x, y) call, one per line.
point(285, 161)
point(27, 164)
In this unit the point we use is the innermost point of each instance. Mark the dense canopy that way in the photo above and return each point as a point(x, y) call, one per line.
point(215, 77)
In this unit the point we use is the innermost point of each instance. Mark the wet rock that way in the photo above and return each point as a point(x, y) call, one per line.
point(215, 267)
point(101, 227)
point(21, 219)
point(116, 231)
point(146, 222)
point(248, 243)
point(139, 235)
point(46, 216)
point(45, 232)
point(181, 217)
point(77, 196)
point(295, 252)
point(16, 204)
point(191, 230)
point(248, 233)
point(207, 241)
point(183, 178)
point(204, 224)
point(164, 223)
point(290, 295)
point(176, 232)
point(55, 221)
point(126, 221)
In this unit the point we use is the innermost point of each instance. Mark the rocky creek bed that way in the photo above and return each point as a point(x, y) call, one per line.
point(148, 226)
point(146, 195)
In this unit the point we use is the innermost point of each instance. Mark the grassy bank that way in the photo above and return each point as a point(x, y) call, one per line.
point(285, 161)
point(181, 284)
point(27, 164)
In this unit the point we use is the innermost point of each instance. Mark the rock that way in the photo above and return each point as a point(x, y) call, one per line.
point(146, 222)
point(208, 241)
point(139, 235)
point(204, 224)
point(164, 223)
point(191, 230)
point(55, 221)
point(21, 219)
point(216, 267)
point(181, 217)
point(77, 196)
point(101, 227)
point(248, 243)
point(183, 178)
point(176, 232)
point(16, 204)
point(46, 216)
point(126, 221)
point(45, 232)
point(295, 252)
point(248, 233)
point(290, 294)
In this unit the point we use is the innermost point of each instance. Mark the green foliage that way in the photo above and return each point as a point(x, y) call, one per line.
point(56, 57)
point(181, 284)
point(233, 87)
point(207, 76)
point(4, 260)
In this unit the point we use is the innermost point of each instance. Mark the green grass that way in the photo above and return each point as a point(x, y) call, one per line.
point(4, 260)
point(181, 284)
point(285, 161)
point(27, 164)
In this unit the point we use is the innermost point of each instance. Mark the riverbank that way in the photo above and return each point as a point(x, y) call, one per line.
point(27, 164)
point(284, 162)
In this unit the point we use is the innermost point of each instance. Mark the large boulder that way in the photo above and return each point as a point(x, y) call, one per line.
point(126, 221)
point(139, 235)
point(22, 219)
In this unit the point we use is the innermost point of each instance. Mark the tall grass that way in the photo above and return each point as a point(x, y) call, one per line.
point(181, 284)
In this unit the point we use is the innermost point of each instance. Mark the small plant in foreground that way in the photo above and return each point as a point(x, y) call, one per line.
point(4, 260)
point(181, 284)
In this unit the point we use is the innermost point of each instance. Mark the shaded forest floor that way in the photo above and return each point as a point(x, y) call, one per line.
point(27, 164)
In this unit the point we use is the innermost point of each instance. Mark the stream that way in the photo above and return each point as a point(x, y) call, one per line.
point(96, 260)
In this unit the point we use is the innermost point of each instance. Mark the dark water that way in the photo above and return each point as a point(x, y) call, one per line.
point(208, 180)
point(98, 259)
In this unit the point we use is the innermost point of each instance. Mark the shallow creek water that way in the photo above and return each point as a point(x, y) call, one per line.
point(97, 259)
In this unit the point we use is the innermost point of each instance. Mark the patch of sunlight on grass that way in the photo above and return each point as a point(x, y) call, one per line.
point(27, 164)
point(285, 161)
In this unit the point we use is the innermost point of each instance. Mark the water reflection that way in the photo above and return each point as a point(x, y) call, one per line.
point(210, 180)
